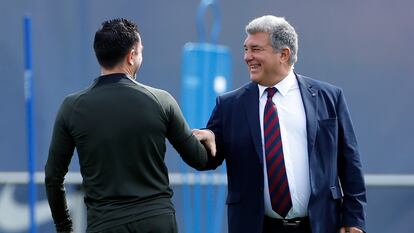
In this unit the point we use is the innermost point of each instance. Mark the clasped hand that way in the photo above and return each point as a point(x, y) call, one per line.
point(208, 139)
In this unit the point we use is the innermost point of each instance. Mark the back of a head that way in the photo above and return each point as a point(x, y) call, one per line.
point(282, 34)
point(113, 41)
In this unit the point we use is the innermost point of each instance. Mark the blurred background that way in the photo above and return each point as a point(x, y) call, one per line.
point(365, 47)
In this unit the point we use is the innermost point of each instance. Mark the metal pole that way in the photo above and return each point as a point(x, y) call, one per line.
point(28, 92)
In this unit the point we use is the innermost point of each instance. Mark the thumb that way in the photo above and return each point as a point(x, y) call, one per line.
point(210, 147)
point(213, 148)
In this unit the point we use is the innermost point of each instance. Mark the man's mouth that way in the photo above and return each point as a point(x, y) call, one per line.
point(254, 67)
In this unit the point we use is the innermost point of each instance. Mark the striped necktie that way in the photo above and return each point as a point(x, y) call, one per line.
point(275, 164)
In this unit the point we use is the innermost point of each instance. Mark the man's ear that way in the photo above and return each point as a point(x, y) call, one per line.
point(130, 56)
point(285, 54)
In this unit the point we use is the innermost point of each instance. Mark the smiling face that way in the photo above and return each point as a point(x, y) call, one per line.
point(265, 65)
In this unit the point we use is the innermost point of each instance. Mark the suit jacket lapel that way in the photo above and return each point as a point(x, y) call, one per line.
point(309, 98)
point(251, 107)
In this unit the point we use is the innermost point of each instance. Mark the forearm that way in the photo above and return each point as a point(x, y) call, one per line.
point(350, 171)
point(354, 200)
point(57, 201)
point(192, 152)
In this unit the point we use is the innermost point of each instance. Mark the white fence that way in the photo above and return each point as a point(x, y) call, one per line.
point(203, 179)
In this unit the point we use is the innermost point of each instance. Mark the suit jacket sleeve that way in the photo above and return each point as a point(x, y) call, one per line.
point(350, 170)
point(215, 124)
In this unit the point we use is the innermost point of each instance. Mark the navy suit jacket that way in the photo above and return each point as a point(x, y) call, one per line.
point(337, 186)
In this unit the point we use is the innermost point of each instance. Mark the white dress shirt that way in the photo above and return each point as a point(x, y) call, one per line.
point(292, 120)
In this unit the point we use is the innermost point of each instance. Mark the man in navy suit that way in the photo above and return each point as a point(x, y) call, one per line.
point(291, 153)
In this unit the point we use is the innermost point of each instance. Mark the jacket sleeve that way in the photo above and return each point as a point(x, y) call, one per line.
point(60, 154)
point(350, 170)
point(215, 124)
point(182, 139)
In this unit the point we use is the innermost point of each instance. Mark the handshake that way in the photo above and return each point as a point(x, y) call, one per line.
point(208, 139)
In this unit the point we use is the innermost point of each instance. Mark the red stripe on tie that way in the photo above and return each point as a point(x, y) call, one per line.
point(269, 113)
point(270, 155)
point(283, 205)
point(272, 138)
point(271, 125)
point(276, 180)
point(278, 194)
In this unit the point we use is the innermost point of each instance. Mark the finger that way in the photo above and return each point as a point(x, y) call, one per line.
point(198, 134)
point(342, 230)
point(354, 230)
point(213, 149)
point(195, 131)
point(199, 137)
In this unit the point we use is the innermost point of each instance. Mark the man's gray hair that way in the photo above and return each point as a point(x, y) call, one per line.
point(282, 34)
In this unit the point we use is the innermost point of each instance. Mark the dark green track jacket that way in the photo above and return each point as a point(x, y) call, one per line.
point(118, 127)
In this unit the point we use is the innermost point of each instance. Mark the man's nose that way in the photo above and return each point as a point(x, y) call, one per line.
point(248, 56)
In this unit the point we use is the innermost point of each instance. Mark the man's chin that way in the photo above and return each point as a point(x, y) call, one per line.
point(254, 78)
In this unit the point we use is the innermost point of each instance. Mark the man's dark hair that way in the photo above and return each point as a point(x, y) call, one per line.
point(113, 41)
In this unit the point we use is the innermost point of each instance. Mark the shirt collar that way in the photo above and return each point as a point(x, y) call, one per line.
point(113, 78)
point(283, 86)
